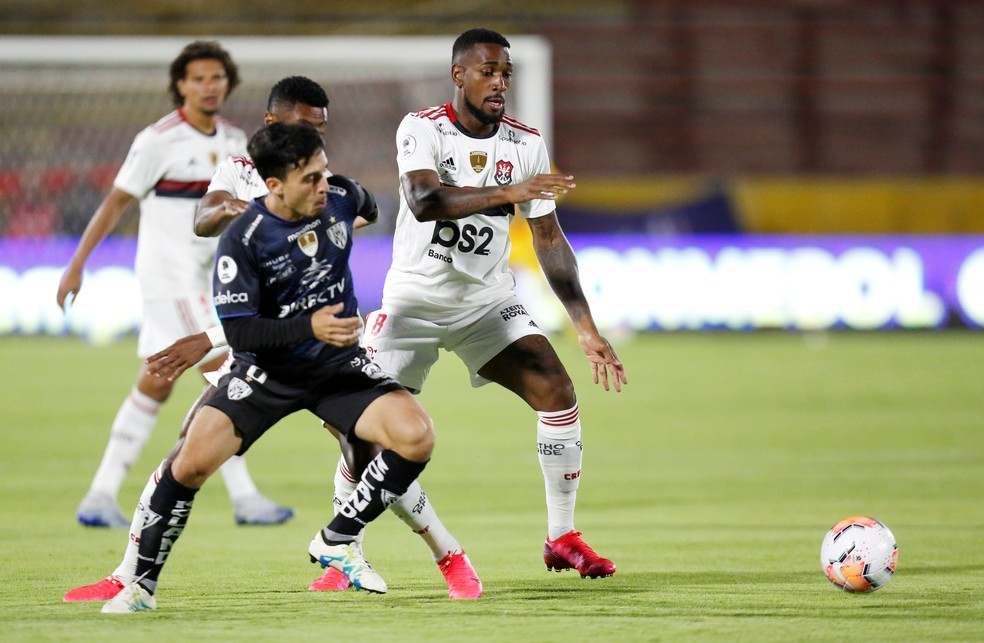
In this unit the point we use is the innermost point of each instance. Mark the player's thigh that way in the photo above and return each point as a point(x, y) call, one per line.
point(482, 339)
point(167, 320)
point(404, 347)
point(211, 440)
point(530, 368)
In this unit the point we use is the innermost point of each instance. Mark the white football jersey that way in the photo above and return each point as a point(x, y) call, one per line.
point(238, 176)
point(168, 168)
point(441, 269)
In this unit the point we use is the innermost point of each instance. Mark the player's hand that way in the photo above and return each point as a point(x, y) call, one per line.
point(604, 361)
point(69, 286)
point(174, 360)
point(234, 207)
point(336, 331)
point(542, 186)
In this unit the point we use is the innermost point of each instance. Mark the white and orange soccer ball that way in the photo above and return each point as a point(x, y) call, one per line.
point(859, 554)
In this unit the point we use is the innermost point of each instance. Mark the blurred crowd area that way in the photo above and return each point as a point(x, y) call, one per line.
point(684, 116)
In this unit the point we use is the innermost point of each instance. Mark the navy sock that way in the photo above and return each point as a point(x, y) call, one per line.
point(384, 480)
point(164, 520)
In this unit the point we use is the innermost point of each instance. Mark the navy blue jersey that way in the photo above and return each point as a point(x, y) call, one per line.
point(280, 269)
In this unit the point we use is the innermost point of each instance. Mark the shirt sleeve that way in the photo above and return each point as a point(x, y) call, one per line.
point(539, 164)
point(144, 165)
point(235, 280)
point(226, 178)
point(417, 145)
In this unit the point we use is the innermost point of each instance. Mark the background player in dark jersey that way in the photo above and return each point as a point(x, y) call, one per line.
point(283, 290)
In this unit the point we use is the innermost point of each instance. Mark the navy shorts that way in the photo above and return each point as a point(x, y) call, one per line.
point(255, 401)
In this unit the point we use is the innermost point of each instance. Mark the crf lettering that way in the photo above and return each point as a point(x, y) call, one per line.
point(572, 476)
point(466, 239)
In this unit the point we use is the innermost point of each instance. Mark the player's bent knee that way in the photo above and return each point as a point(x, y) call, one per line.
point(396, 421)
point(211, 440)
point(553, 393)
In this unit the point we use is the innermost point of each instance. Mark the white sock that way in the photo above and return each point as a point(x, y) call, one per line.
point(235, 475)
point(413, 508)
point(418, 513)
point(127, 569)
point(132, 427)
point(345, 484)
point(558, 434)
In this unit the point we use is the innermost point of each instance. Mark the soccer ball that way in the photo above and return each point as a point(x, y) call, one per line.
point(859, 554)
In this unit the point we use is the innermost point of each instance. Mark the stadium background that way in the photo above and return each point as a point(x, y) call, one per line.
point(693, 126)
point(677, 118)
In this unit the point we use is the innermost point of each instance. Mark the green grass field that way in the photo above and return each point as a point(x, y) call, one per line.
point(710, 480)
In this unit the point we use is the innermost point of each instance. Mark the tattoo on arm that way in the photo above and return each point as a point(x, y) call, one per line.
point(559, 265)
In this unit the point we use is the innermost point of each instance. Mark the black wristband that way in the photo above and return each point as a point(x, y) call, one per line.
point(253, 333)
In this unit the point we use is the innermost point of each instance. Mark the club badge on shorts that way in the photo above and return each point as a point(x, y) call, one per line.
point(238, 389)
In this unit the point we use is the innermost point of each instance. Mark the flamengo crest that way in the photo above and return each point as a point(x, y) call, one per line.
point(503, 172)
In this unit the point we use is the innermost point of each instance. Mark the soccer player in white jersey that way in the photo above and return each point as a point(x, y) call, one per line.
point(464, 168)
point(167, 169)
point(234, 185)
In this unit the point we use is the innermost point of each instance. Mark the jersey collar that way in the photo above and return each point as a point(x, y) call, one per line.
point(449, 112)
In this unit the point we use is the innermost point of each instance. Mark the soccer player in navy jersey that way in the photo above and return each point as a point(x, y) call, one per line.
point(234, 185)
point(283, 290)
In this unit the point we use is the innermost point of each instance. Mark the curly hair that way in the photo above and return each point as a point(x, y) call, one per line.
point(201, 50)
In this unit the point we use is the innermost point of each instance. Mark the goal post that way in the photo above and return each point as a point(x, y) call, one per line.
point(70, 105)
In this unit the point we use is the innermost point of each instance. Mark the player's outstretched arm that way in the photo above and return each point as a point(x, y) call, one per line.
point(101, 224)
point(559, 265)
point(431, 201)
point(174, 360)
point(216, 211)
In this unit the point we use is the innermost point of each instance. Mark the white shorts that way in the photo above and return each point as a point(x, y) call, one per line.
point(167, 320)
point(407, 347)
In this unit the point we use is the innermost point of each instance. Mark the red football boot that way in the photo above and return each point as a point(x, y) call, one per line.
point(463, 582)
point(570, 552)
point(104, 590)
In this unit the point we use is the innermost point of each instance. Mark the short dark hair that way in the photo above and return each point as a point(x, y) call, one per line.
point(201, 50)
point(479, 36)
point(278, 148)
point(296, 90)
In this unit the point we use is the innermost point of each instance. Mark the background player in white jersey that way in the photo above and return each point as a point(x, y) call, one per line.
point(167, 169)
point(464, 168)
point(234, 184)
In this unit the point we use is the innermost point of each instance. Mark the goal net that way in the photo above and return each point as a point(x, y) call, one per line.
point(70, 107)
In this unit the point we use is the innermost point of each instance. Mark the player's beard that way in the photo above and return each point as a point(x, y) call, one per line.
point(485, 119)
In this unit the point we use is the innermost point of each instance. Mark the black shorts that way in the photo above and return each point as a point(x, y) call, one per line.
point(254, 401)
